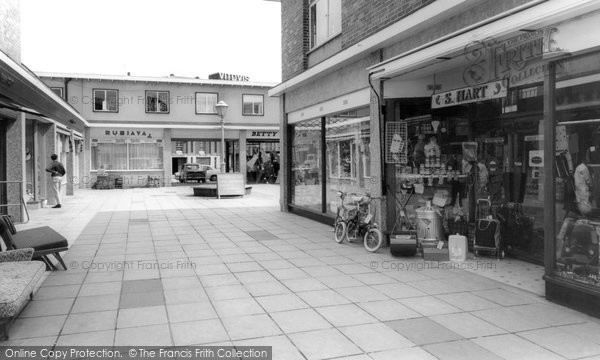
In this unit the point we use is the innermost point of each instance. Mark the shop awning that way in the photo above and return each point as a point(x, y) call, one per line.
point(502, 26)
point(24, 91)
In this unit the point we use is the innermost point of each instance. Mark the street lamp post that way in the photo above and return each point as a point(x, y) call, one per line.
point(221, 111)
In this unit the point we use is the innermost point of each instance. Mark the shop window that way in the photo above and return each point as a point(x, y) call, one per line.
point(347, 137)
point(325, 20)
point(306, 165)
point(109, 156)
point(577, 175)
point(58, 91)
point(145, 156)
point(105, 100)
point(127, 156)
point(252, 105)
point(205, 103)
point(157, 102)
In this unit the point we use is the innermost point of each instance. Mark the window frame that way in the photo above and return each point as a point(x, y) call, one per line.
point(313, 34)
point(253, 114)
point(62, 91)
point(106, 97)
point(157, 97)
point(196, 102)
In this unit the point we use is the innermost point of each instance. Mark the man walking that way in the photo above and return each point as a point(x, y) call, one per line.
point(57, 171)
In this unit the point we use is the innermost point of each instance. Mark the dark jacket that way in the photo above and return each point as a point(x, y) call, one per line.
point(56, 168)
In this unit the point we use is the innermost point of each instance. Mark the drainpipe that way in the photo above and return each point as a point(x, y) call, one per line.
point(67, 81)
point(381, 130)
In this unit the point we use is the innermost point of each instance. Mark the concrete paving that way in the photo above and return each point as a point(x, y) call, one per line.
point(161, 267)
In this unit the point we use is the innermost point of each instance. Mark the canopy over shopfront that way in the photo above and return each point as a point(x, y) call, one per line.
point(21, 90)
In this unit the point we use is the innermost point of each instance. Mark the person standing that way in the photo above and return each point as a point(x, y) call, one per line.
point(57, 171)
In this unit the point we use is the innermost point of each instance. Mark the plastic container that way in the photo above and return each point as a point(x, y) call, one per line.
point(458, 247)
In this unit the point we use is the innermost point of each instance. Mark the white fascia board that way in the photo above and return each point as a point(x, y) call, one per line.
point(196, 127)
point(35, 81)
point(149, 79)
point(544, 14)
point(341, 103)
point(422, 18)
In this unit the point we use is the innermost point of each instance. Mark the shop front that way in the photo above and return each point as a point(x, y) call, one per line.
point(503, 133)
point(262, 156)
point(125, 157)
point(328, 155)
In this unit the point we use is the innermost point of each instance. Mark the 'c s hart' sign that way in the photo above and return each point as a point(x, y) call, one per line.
point(471, 94)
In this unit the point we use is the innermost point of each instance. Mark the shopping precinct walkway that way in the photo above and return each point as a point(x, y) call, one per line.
point(161, 267)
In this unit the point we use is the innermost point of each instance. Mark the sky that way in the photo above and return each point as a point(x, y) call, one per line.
point(153, 37)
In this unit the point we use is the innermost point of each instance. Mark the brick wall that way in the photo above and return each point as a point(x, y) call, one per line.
point(362, 18)
point(294, 46)
point(10, 29)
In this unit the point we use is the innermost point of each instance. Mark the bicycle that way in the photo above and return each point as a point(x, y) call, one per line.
point(344, 212)
point(362, 224)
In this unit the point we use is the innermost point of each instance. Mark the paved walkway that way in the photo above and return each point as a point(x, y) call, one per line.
point(160, 267)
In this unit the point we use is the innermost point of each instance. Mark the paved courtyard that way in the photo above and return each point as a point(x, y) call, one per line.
point(160, 267)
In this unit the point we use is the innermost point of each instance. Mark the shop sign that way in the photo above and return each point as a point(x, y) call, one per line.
point(230, 77)
point(127, 135)
point(259, 134)
point(471, 94)
point(536, 158)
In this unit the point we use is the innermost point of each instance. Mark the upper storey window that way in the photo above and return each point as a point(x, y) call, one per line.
point(325, 21)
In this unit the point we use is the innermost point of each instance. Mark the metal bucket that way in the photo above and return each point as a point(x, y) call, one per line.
point(429, 224)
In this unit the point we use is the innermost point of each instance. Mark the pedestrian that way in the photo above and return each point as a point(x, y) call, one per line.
point(57, 171)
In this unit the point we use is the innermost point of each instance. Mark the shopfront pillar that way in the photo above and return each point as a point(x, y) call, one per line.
point(167, 164)
point(243, 155)
point(284, 157)
point(70, 164)
point(15, 165)
point(48, 131)
point(85, 158)
point(378, 170)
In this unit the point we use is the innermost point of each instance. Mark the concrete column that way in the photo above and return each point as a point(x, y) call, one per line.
point(167, 164)
point(49, 149)
point(243, 154)
point(15, 165)
point(71, 169)
point(85, 161)
point(38, 171)
point(284, 157)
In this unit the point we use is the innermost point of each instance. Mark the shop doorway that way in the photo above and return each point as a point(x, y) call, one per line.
point(177, 164)
point(262, 161)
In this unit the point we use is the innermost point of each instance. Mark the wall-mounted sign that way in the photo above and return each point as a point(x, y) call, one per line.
point(260, 134)
point(471, 94)
point(104, 134)
point(536, 158)
point(230, 77)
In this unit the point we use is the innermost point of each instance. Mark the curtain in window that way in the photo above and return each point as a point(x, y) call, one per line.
point(205, 103)
point(109, 156)
point(145, 156)
point(322, 26)
point(253, 104)
point(335, 17)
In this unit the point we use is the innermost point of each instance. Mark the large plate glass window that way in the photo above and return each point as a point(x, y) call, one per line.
point(577, 177)
point(306, 164)
point(253, 104)
point(325, 20)
point(105, 100)
point(157, 102)
point(348, 140)
point(205, 103)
